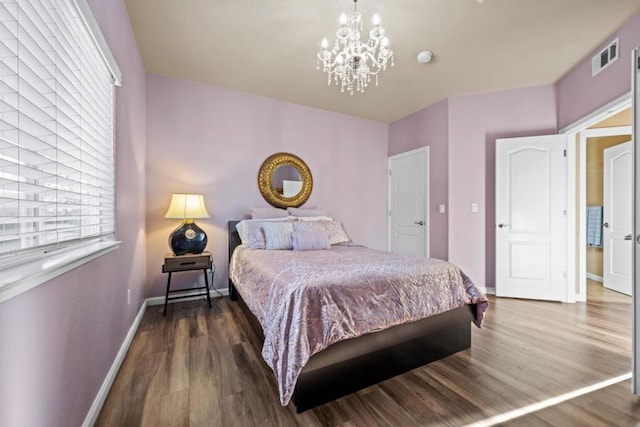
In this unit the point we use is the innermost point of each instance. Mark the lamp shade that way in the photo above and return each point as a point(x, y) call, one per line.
point(187, 206)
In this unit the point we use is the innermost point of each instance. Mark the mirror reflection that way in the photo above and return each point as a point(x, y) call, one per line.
point(286, 181)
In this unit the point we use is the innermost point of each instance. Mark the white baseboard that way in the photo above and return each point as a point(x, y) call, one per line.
point(94, 411)
point(96, 407)
point(488, 291)
point(595, 278)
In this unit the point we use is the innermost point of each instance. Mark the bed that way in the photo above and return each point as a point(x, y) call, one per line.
point(352, 364)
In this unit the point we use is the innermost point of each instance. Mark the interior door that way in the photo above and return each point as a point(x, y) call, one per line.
point(408, 201)
point(618, 217)
point(530, 217)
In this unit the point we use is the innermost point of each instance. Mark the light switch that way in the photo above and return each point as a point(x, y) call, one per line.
point(474, 207)
point(441, 208)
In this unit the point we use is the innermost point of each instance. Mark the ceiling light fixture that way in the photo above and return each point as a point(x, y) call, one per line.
point(351, 62)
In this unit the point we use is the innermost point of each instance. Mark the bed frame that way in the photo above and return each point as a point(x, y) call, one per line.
point(351, 365)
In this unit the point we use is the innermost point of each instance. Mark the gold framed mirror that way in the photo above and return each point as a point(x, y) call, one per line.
point(285, 180)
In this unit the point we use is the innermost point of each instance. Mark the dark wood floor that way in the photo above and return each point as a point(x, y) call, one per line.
point(202, 367)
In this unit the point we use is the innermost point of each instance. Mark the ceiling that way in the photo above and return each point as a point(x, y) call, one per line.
point(268, 47)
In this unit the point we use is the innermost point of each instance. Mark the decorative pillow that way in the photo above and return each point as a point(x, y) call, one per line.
point(277, 235)
point(264, 213)
point(317, 226)
point(336, 232)
point(307, 212)
point(251, 233)
point(309, 240)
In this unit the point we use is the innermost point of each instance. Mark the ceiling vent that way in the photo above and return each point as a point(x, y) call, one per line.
point(607, 56)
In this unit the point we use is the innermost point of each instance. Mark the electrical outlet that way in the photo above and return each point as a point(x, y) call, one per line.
point(128, 296)
point(474, 207)
point(441, 208)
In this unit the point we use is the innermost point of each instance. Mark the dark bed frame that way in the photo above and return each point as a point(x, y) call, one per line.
point(351, 365)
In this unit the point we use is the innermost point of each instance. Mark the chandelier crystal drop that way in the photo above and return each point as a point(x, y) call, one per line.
point(351, 62)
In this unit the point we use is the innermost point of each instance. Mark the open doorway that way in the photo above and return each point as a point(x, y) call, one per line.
point(606, 173)
point(612, 120)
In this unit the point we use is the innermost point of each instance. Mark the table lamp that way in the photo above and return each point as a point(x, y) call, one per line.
point(188, 238)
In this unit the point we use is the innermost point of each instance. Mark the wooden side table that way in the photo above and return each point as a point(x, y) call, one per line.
point(174, 264)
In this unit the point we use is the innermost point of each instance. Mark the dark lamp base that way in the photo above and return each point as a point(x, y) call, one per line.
point(188, 239)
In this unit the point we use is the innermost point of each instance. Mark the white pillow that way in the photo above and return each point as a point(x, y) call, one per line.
point(307, 212)
point(267, 213)
point(314, 218)
point(277, 235)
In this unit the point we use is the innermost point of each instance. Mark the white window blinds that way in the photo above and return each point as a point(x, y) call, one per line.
point(57, 179)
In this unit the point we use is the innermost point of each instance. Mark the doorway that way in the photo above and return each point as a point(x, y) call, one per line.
point(613, 115)
point(595, 260)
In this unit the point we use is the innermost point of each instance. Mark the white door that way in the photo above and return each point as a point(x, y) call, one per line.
point(530, 217)
point(408, 202)
point(618, 217)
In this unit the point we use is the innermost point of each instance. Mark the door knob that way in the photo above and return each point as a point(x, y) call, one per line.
point(503, 225)
point(628, 237)
point(419, 222)
point(605, 225)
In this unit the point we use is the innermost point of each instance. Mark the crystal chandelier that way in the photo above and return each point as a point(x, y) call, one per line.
point(352, 62)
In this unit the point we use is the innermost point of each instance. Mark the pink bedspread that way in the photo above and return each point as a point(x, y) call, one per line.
point(309, 300)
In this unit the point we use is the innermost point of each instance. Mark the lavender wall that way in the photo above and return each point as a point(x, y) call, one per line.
point(461, 133)
point(580, 94)
point(209, 140)
point(429, 126)
point(58, 341)
point(475, 122)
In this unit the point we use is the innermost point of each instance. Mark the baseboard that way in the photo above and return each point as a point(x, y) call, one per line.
point(486, 290)
point(94, 411)
point(595, 278)
point(101, 397)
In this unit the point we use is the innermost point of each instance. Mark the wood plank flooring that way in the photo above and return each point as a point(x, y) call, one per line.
point(202, 367)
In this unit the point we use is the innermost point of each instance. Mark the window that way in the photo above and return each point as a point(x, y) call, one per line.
point(57, 183)
point(57, 179)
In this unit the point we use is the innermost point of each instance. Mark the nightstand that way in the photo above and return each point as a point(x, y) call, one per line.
point(175, 264)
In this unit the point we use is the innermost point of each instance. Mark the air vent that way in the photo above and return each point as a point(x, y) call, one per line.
point(604, 58)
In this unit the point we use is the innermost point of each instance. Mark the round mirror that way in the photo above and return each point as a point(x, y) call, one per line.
point(285, 180)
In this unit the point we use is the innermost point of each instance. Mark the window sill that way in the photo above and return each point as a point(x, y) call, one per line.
point(20, 277)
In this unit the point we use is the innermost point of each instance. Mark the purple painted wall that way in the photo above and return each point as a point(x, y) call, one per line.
point(580, 94)
point(461, 134)
point(209, 140)
point(475, 122)
point(429, 126)
point(58, 341)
